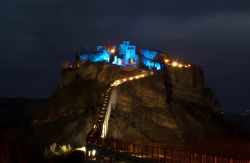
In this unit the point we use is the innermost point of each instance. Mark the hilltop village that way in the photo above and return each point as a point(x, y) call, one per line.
point(125, 93)
point(126, 54)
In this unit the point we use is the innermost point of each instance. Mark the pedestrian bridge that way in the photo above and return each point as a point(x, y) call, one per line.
point(102, 149)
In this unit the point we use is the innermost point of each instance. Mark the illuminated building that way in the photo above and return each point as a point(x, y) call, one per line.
point(125, 54)
point(148, 57)
point(128, 52)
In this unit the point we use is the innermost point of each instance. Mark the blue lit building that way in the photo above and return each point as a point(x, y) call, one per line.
point(125, 54)
point(95, 56)
point(148, 59)
point(128, 52)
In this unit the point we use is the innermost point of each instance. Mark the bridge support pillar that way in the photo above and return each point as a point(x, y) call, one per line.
point(190, 157)
point(172, 151)
point(215, 159)
point(202, 158)
point(165, 155)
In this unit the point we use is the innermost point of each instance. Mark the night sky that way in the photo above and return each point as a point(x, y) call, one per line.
point(36, 36)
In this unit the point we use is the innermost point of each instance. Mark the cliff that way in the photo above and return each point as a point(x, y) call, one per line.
point(172, 106)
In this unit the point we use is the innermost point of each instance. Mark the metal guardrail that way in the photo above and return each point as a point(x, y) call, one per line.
point(165, 154)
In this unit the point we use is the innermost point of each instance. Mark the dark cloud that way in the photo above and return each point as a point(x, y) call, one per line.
point(35, 36)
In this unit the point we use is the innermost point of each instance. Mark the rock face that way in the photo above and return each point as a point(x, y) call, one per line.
point(169, 106)
point(146, 112)
point(101, 72)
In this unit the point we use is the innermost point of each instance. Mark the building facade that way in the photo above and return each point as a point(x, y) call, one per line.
point(125, 54)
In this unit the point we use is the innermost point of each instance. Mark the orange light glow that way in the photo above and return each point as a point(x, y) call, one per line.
point(81, 149)
point(174, 64)
point(166, 60)
point(180, 65)
point(112, 51)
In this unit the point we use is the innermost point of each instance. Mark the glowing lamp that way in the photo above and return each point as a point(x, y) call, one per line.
point(180, 65)
point(81, 149)
point(174, 64)
point(166, 60)
point(112, 51)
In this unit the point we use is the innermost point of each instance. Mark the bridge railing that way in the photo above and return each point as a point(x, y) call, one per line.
point(165, 154)
point(95, 134)
point(100, 128)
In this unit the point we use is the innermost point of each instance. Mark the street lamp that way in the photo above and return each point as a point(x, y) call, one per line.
point(112, 51)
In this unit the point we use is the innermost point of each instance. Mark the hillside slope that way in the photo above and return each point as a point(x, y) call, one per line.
point(171, 106)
